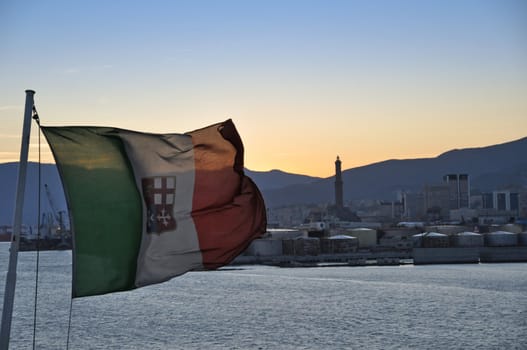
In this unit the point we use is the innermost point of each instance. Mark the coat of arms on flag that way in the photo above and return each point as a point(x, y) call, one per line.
point(159, 194)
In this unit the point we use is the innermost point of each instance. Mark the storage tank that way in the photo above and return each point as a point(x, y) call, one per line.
point(367, 237)
point(467, 239)
point(326, 246)
point(445, 229)
point(510, 228)
point(265, 247)
point(417, 240)
point(307, 246)
point(343, 244)
point(434, 240)
point(284, 233)
point(288, 247)
point(501, 239)
point(522, 238)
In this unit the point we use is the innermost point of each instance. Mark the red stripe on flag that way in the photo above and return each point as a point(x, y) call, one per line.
point(228, 209)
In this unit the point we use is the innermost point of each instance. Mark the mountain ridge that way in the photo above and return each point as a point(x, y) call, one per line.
point(489, 167)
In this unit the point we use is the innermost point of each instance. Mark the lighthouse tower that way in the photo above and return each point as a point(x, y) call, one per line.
point(339, 202)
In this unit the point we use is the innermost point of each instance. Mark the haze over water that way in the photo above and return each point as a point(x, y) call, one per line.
point(481, 306)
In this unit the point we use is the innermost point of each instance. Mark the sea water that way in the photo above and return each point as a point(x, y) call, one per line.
point(472, 306)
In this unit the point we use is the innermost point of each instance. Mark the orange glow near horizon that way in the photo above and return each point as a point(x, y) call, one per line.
point(368, 81)
point(316, 157)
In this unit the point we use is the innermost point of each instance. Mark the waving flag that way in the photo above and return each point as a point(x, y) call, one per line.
point(147, 207)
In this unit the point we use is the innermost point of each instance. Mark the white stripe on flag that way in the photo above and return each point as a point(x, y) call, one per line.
point(167, 254)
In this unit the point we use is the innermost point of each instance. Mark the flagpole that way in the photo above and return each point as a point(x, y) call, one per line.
point(9, 295)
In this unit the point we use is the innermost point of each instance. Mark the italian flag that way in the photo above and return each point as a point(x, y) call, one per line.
point(148, 207)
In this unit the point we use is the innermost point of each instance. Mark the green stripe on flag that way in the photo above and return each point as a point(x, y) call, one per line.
point(104, 204)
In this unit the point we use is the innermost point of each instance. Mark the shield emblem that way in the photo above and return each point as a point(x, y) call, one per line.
point(159, 193)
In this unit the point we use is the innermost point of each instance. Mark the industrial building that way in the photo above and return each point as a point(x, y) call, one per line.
point(459, 190)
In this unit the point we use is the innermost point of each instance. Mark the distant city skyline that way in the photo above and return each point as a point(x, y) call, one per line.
point(304, 81)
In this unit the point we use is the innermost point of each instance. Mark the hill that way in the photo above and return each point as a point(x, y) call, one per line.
point(489, 168)
point(275, 179)
point(266, 180)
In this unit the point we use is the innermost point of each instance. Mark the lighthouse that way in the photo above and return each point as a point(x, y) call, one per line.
point(339, 202)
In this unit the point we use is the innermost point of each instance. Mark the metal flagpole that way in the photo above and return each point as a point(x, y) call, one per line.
point(9, 295)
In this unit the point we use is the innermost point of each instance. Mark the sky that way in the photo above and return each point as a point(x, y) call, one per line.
point(303, 80)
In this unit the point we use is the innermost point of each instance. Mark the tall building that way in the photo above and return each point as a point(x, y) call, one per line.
point(464, 191)
point(505, 200)
point(487, 201)
point(437, 199)
point(414, 205)
point(339, 201)
point(459, 190)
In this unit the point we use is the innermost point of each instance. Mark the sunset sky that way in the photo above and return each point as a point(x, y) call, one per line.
point(304, 81)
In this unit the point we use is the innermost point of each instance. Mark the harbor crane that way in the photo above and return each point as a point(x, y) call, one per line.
point(57, 215)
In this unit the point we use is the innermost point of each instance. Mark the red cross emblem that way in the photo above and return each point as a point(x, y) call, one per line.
point(159, 193)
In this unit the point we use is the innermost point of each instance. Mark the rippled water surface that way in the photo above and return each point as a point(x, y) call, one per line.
point(256, 307)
